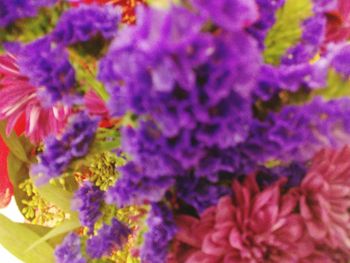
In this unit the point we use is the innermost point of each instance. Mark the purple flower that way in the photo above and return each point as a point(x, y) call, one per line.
point(314, 30)
point(69, 251)
point(341, 60)
point(108, 238)
point(199, 193)
point(298, 132)
point(88, 200)
point(229, 14)
point(74, 143)
point(136, 187)
point(11, 10)
point(81, 24)
point(48, 68)
point(161, 231)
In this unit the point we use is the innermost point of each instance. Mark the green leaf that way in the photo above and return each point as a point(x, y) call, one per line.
point(56, 195)
point(17, 238)
point(287, 30)
point(18, 172)
point(337, 87)
point(43, 230)
point(66, 226)
point(13, 143)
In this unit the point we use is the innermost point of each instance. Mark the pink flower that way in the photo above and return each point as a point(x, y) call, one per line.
point(325, 201)
point(18, 97)
point(95, 105)
point(254, 226)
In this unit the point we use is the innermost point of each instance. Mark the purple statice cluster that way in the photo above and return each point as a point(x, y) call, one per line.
point(161, 230)
point(69, 251)
point(88, 200)
point(199, 192)
point(81, 24)
point(60, 152)
point(108, 238)
point(48, 69)
point(11, 10)
point(298, 132)
point(181, 79)
point(46, 61)
point(340, 60)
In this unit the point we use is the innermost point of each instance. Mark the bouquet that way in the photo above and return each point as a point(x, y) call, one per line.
point(188, 131)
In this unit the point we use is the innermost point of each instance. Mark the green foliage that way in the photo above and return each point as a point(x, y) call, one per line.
point(287, 30)
point(17, 238)
point(337, 87)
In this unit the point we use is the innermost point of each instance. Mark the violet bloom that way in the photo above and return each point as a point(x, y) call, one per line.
point(314, 30)
point(137, 187)
point(340, 62)
point(11, 10)
point(199, 193)
point(19, 97)
point(48, 69)
point(87, 201)
point(82, 23)
point(184, 84)
point(69, 251)
point(59, 152)
point(161, 230)
point(108, 238)
point(229, 14)
point(298, 132)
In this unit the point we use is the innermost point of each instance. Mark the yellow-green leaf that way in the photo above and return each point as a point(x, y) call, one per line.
point(56, 195)
point(287, 30)
point(337, 87)
point(17, 238)
point(63, 228)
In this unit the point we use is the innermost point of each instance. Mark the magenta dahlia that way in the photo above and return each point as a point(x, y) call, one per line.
point(325, 201)
point(253, 226)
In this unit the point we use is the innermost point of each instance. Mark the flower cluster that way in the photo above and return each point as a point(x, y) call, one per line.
point(70, 250)
point(185, 131)
point(161, 231)
point(185, 87)
point(109, 237)
point(307, 224)
point(88, 200)
point(81, 24)
point(59, 153)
